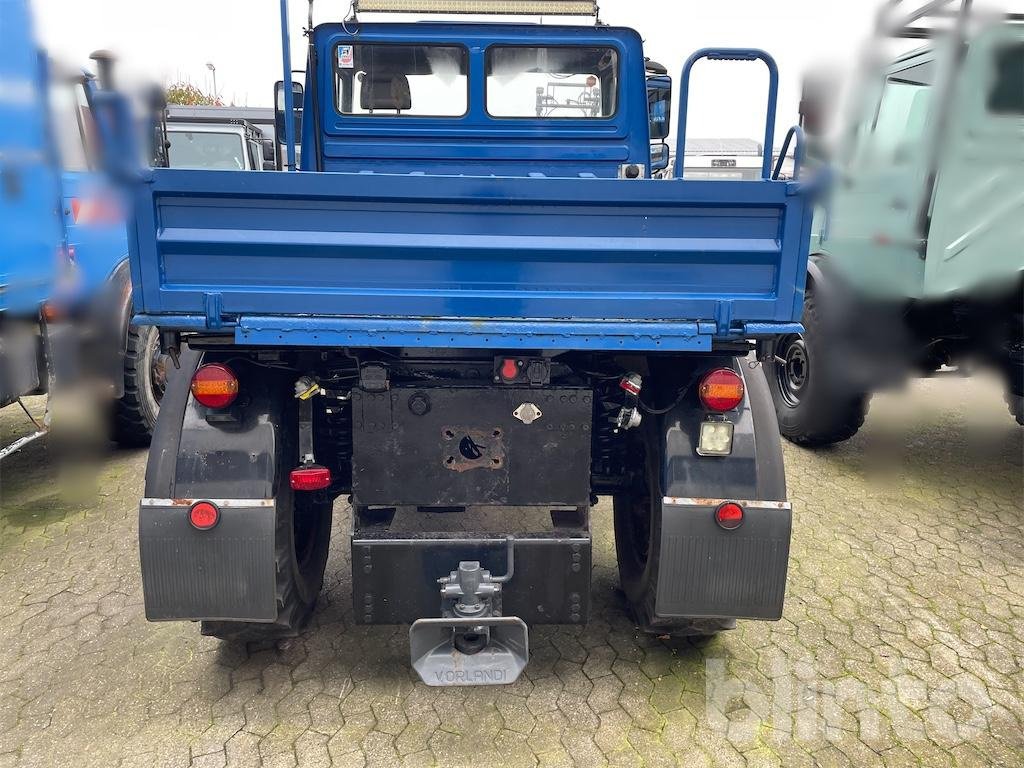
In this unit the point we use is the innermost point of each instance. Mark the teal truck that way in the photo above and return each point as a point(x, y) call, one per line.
point(917, 261)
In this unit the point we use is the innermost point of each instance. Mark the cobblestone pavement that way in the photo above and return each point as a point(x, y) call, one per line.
point(902, 642)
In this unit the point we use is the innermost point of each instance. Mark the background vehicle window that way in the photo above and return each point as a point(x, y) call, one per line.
point(903, 112)
point(205, 150)
point(69, 117)
point(413, 80)
point(1007, 94)
point(552, 82)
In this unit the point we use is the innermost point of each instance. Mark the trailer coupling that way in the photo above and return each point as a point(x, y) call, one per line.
point(472, 643)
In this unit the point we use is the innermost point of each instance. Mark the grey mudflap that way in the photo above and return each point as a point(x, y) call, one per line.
point(222, 574)
point(710, 572)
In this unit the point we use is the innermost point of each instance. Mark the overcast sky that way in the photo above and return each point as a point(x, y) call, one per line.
point(174, 39)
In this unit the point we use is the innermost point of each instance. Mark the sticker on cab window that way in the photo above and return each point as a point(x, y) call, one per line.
point(346, 57)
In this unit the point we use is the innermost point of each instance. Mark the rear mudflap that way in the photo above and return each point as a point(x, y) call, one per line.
point(709, 572)
point(226, 573)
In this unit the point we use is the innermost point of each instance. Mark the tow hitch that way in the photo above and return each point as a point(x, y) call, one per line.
point(472, 643)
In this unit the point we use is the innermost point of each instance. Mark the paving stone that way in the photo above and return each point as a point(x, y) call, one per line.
point(902, 641)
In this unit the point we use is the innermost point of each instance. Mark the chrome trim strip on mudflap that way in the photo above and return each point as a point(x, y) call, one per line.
point(684, 501)
point(222, 503)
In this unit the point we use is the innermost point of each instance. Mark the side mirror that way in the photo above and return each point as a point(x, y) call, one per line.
point(269, 156)
point(279, 125)
point(659, 106)
point(659, 157)
point(818, 102)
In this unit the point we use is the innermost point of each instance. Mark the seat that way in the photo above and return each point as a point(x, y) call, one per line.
point(385, 90)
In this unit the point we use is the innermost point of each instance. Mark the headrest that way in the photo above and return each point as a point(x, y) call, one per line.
point(385, 90)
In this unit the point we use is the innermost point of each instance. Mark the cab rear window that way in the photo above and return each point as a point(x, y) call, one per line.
point(552, 82)
point(401, 80)
point(1007, 94)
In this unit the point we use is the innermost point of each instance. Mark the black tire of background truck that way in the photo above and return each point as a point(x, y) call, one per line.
point(136, 412)
point(638, 548)
point(302, 540)
point(1016, 403)
point(813, 405)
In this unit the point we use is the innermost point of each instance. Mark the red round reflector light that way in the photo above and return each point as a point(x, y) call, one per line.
point(729, 516)
point(203, 515)
point(215, 385)
point(312, 478)
point(721, 390)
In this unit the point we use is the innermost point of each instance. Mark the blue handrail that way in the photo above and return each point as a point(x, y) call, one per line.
point(798, 153)
point(289, 99)
point(730, 54)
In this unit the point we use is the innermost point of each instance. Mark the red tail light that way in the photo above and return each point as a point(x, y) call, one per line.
point(215, 385)
point(729, 516)
point(721, 390)
point(313, 478)
point(509, 369)
point(203, 515)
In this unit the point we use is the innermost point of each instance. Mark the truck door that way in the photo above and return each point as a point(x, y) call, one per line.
point(876, 233)
point(28, 184)
point(978, 213)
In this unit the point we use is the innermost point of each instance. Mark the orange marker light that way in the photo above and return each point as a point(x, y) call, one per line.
point(721, 390)
point(215, 385)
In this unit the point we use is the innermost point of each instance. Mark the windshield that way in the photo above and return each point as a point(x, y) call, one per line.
point(206, 150)
point(551, 82)
point(396, 80)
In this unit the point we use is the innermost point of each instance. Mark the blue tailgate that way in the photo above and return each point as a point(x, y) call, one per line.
point(414, 260)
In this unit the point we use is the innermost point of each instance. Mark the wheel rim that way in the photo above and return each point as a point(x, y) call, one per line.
point(157, 369)
point(792, 369)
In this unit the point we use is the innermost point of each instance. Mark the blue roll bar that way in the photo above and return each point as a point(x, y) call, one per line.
point(730, 54)
point(286, 80)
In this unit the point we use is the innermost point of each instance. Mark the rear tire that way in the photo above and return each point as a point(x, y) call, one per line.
point(814, 405)
point(638, 549)
point(302, 540)
point(145, 372)
point(1016, 403)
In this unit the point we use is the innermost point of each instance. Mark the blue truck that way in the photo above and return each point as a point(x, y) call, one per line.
point(65, 290)
point(472, 296)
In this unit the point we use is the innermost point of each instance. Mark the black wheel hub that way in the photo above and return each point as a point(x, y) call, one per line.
point(792, 369)
point(157, 369)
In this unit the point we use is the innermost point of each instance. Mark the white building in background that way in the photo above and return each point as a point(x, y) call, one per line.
point(727, 159)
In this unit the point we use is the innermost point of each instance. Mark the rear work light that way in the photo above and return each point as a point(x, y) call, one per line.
point(729, 516)
point(215, 385)
point(721, 390)
point(203, 515)
point(310, 478)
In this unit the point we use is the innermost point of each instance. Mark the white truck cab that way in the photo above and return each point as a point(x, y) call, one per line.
point(233, 145)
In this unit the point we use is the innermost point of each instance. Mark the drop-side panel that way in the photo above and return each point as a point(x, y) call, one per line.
point(218, 247)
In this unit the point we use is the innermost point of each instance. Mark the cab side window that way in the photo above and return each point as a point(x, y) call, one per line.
point(71, 122)
point(1006, 96)
point(903, 112)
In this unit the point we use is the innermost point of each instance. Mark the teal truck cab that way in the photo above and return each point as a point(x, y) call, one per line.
point(472, 295)
point(917, 261)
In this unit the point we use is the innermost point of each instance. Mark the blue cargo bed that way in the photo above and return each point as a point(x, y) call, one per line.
point(425, 261)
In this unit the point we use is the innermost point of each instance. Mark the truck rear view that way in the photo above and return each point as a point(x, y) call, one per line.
point(470, 314)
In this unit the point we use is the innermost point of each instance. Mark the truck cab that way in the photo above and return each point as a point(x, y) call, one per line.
point(225, 145)
point(491, 99)
point(471, 295)
point(917, 261)
point(65, 291)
